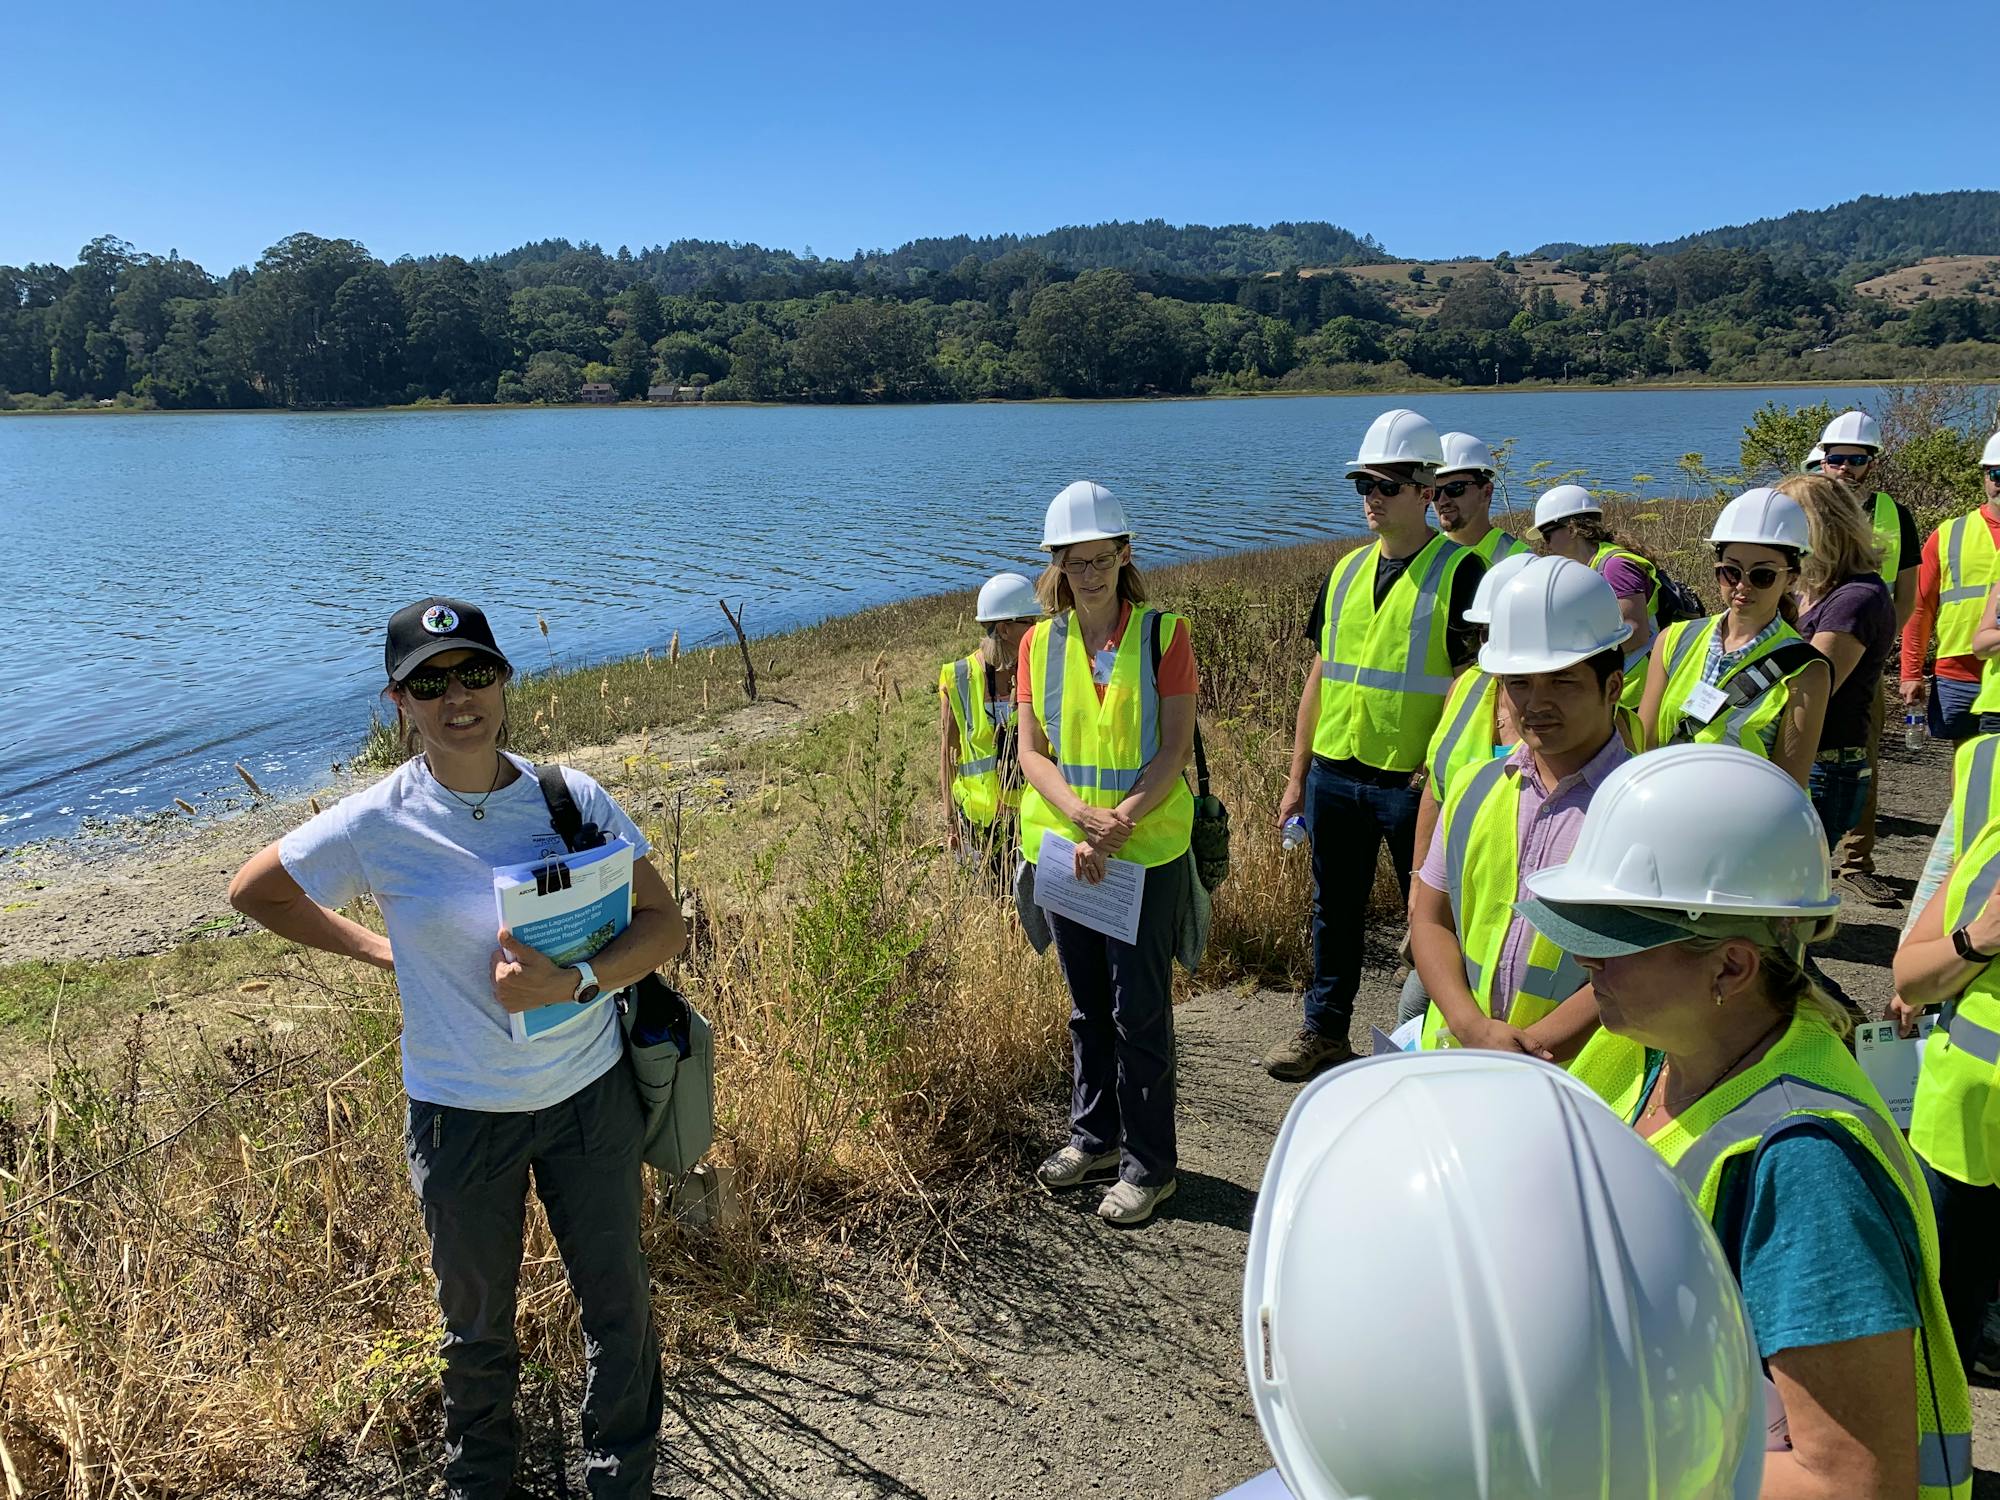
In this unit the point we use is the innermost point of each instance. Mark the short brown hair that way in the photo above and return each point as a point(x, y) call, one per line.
point(1053, 589)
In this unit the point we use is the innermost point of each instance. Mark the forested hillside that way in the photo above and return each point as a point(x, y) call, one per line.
point(1105, 310)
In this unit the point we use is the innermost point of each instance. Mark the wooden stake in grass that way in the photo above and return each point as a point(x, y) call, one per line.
point(743, 645)
point(248, 780)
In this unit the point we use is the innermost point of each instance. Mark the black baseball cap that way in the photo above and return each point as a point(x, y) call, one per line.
point(433, 626)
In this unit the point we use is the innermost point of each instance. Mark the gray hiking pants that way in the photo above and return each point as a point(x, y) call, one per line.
point(470, 1171)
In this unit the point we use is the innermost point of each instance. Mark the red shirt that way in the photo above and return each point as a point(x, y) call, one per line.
point(1917, 634)
point(1176, 676)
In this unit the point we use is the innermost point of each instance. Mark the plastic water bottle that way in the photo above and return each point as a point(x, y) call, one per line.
point(1913, 732)
point(1294, 833)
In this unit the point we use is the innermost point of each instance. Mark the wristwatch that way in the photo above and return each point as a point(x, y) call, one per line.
point(1961, 942)
point(586, 984)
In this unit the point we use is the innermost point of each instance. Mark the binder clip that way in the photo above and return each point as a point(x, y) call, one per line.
point(552, 877)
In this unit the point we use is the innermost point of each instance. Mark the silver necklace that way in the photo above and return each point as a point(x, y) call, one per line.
point(479, 807)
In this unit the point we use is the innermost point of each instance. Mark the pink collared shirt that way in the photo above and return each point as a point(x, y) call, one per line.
point(1551, 819)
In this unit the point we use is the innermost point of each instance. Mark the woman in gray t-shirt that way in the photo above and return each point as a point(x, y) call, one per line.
point(486, 1109)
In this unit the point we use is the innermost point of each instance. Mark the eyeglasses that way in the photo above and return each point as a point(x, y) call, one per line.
point(1388, 489)
point(1456, 488)
point(1993, 476)
point(1083, 567)
point(428, 683)
point(1761, 577)
point(1848, 460)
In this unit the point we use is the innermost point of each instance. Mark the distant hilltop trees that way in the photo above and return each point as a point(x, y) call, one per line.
point(1878, 288)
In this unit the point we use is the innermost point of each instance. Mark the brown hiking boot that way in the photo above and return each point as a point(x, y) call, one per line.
point(1872, 888)
point(1305, 1054)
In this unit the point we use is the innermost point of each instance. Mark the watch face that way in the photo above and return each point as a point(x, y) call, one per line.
point(587, 994)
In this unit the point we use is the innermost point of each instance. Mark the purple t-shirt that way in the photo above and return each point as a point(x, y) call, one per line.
point(1865, 609)
point(1626, 579)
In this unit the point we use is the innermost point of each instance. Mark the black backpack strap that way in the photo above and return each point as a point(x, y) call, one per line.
point(563, 813)
point(1200, 752)
point(1780, 662)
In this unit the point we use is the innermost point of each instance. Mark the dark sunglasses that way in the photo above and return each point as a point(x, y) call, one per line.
point(427, 683)
point(1993, 476)
point(1848, 460)
point(1388, 489)
point(1456, 488)
point(1761, 577)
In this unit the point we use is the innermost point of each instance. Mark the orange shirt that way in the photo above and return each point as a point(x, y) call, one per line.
point(1917, 634)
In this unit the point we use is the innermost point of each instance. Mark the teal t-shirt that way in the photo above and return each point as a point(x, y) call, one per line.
point(1821, 1241)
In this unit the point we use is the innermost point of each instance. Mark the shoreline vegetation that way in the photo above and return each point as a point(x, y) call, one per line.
point(1872, 290)
point(211, 1265)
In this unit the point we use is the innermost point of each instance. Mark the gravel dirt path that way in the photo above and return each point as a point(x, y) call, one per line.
point(1039, 1354)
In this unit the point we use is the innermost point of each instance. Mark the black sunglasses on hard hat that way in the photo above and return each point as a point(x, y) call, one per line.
point(428, 683)
point(1388, 489)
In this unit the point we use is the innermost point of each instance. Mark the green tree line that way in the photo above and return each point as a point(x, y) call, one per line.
point(321, 322)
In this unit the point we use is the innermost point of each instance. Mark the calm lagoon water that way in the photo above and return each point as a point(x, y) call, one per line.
point(184, 591)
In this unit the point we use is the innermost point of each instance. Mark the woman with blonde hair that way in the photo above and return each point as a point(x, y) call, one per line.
point(1106, 689)
point(1849, 616)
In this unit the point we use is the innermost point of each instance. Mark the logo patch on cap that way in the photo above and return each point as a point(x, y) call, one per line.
point(439, 620)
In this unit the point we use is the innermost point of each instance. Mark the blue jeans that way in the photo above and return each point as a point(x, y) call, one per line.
point(1839, 792)
point(1949, 714)
point(1348, 821)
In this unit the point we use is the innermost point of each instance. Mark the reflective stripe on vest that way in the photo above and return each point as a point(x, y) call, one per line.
point(1889, 537)
point(1966, 570)
point(970, 716)
point(1958, 1081)
point(1465, 733)
point(975, 785)
point(1497, 545)
point(1752, 724)
point(1484, 924)
point(1809, 1074)
point(1972, 790)
point(1383, 683)
point(1101, 746)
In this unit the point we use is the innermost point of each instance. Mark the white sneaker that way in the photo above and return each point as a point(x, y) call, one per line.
point(1070, 1168)
point(1127, 1203)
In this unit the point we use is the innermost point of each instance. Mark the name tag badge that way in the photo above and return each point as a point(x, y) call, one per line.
point(1705, 702)
point(1100, 667)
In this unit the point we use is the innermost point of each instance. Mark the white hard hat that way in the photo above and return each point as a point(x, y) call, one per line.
point(1696, 829)
point(1462, 452)
point(1814, 455)
point(1990, 457)
point(1855, 429)
point(1083, 512)
point(1550, 615)
point(1480, 610)
point(1564, 501)
point(1390, 1350)
point(1006, 596)
point(1398, 437)
point(1766, 517)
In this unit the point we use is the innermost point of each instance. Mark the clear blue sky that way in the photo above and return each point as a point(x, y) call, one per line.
point(1442, 129)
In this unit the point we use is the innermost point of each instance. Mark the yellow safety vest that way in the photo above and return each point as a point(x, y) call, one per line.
point(1967, 562)
point(1384, 673)
point(1889, 537)
point(977, 787)
point(1635, 662)
point(1752, 724)
point(1497, 544)
point(1811, 1073)
point(1101, 747)
point(1955, 1121)
point(1466, 732)
point(1482, 873)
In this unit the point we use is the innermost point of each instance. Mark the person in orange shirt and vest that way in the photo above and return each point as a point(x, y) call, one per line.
point(979, 770)
point(1107, 688)
point(1849, 450)
point(1391, 632)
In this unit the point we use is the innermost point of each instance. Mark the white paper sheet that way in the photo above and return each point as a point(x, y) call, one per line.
point(1891, 1062)
point(1110, 907)
point(572, 922)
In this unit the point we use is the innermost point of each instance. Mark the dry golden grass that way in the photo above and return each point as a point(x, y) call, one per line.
point(210, 1262)
point(1936, 276)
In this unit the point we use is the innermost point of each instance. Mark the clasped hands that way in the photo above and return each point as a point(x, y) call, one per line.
point(1105, 830)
